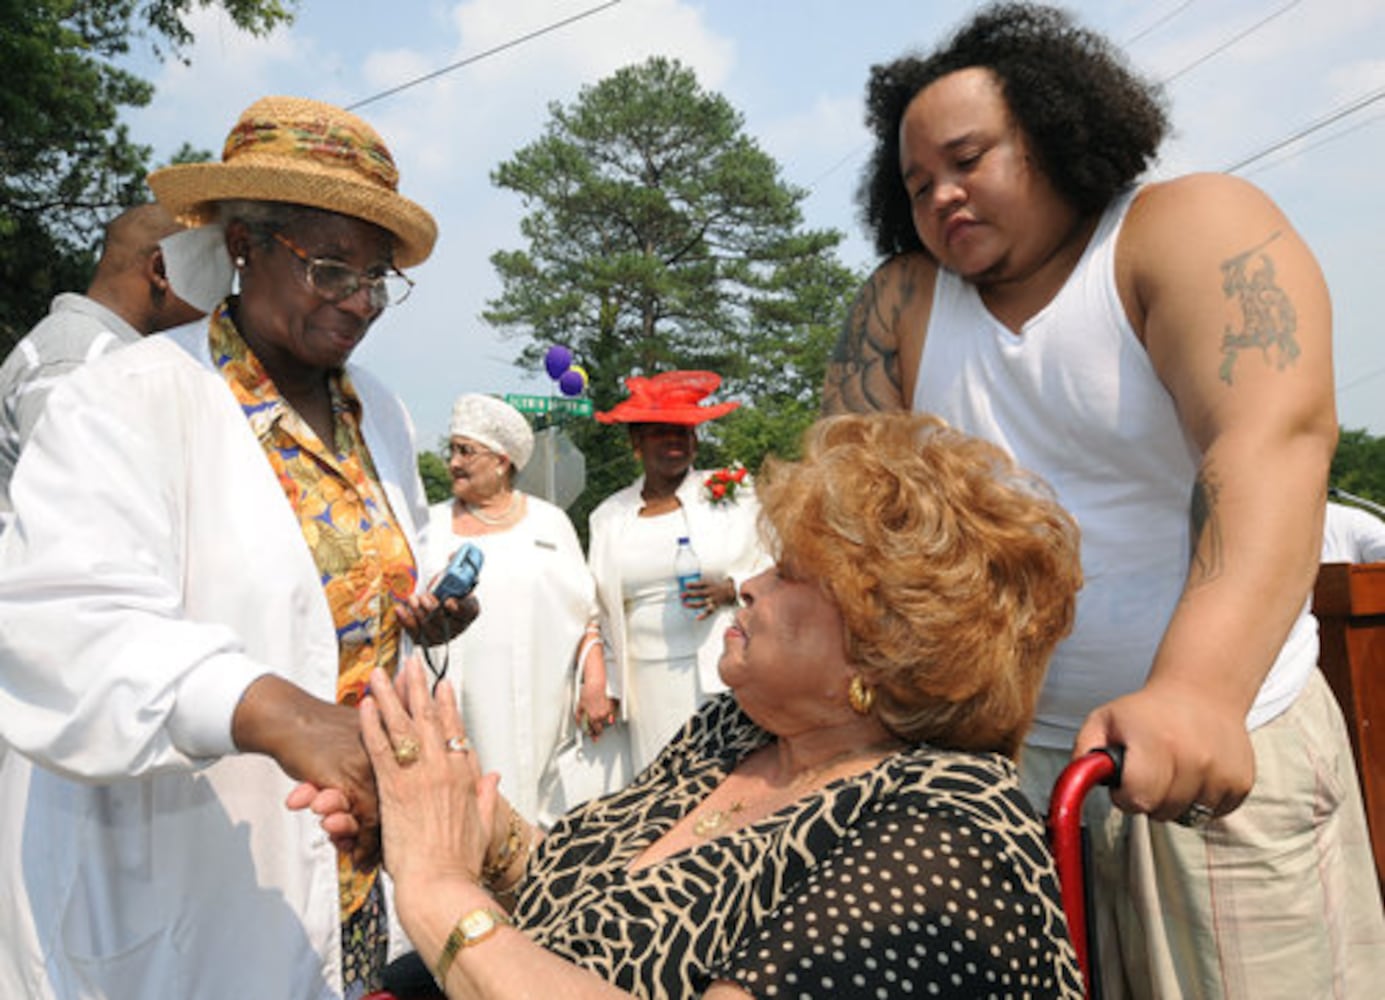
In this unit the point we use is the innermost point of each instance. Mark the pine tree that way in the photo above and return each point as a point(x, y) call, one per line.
point(661, 236)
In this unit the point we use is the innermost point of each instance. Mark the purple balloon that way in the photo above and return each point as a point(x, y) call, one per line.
point(572, 382)
point(557, 360)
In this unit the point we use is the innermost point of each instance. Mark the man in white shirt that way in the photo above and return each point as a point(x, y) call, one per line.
point(129, 298)
point(1352, 535)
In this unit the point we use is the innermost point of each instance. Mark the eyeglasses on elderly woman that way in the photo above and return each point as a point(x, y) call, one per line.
point(467, 451)
point(336, 281)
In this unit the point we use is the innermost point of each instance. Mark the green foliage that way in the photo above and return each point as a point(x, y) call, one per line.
point(188, 153)
point(660, 236)
point(1359, 465)
point(166, 18)
point(437, 481)
point(67, 165)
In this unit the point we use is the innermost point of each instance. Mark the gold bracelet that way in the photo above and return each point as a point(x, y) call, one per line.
point(491, 871)
point(473, 928)
point(521, 856)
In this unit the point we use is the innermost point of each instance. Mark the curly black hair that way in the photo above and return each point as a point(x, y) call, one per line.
point(1093, 123)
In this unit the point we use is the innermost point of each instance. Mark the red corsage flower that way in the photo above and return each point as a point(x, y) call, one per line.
point(721, 486)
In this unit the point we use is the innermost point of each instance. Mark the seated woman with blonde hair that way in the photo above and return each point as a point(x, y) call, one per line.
point(846, 821)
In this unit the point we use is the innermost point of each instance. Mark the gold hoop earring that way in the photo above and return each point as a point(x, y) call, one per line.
point(860, 695)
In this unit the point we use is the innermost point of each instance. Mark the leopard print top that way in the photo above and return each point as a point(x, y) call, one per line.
point(927, 875)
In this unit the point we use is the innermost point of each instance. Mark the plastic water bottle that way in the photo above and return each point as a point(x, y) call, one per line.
point(687, 568)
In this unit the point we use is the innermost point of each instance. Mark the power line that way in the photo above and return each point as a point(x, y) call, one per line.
point(1314, 145)
point(860, 148)
point(1235, 39)
point(1159, 23)
point(1350, 108)
point(1359, 379)
point(1217, 50)
point(482, 55)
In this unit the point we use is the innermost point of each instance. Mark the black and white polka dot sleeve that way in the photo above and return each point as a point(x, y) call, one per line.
point(914, 903)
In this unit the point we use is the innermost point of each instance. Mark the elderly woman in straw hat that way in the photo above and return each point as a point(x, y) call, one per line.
point(511, 669)
point(664, 641)
point(215, 543)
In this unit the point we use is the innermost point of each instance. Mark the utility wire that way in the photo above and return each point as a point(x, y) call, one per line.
point(1350, 108)
point(1159, 23)
point(482, 55)
point(1314, 145)
point(1359, 379)
point(1217, 50)
point(1232, 41)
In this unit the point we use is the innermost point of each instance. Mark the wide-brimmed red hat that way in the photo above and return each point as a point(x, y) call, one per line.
point(668, 398)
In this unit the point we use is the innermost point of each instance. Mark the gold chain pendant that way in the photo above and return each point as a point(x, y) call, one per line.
point(711, 822)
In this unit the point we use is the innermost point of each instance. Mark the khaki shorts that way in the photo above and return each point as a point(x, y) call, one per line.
point(1278, 899)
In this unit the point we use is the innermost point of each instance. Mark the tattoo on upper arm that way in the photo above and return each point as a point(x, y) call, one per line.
point(1205, 530)
point(863, 370)
point(1269, 319)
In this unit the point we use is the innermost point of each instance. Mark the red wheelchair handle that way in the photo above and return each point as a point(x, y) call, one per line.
point(1098, 767)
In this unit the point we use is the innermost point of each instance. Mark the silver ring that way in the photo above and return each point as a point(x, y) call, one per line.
point(1195, 815)
point(458, 744)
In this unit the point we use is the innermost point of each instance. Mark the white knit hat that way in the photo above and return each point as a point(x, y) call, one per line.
point(495, 424)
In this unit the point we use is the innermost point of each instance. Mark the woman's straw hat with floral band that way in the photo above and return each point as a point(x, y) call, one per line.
point(303, 152)
point(668, 398)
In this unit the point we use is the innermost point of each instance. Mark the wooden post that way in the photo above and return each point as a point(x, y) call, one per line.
point(1349, 601)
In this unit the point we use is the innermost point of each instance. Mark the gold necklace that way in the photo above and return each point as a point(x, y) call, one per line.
point(492, 519)
point(713, 821)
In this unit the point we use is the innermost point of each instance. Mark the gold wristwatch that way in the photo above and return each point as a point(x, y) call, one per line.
point(471, 930)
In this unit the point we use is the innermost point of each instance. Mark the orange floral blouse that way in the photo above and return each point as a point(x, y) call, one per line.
point(361, 554)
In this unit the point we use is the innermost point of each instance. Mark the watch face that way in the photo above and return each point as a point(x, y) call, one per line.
point(477, 924)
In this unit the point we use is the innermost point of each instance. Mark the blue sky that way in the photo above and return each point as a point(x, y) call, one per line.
point(1242, 76)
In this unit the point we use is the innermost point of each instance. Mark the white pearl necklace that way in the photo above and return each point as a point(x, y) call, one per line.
point(493, 519)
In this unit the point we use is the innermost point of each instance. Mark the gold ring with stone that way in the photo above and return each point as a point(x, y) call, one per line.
point(458, 744)
point(406, 751)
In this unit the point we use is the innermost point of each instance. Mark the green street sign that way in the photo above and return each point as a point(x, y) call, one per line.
point(527, 404)
point(575, 406)
point(564, 405)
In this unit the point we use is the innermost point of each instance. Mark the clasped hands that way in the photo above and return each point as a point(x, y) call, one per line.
point(437, 810)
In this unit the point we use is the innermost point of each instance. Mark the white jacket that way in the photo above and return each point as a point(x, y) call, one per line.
point(725, 535)
point(155, 570)
point(512, 668)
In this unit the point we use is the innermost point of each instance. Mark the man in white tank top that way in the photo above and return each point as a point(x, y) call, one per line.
point(1162, 355)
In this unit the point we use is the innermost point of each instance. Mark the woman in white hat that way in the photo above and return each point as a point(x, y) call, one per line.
point(512, 667)
point(214, 533)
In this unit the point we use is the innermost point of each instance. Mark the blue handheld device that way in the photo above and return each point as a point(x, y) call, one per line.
point(459, 579)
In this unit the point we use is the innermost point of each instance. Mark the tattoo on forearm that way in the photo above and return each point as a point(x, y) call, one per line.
point(1205, 530)
point(1269, 320)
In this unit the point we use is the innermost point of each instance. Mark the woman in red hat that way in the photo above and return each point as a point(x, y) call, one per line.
point(662, 640)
